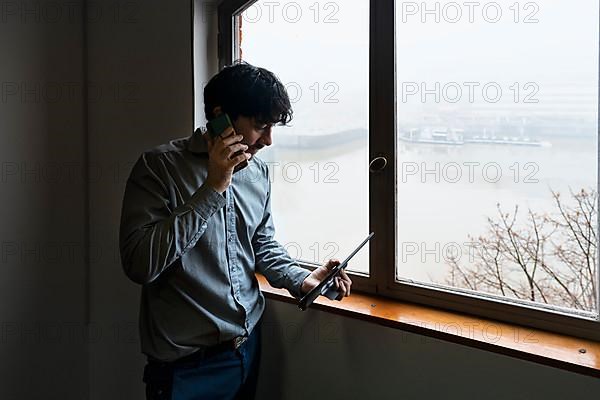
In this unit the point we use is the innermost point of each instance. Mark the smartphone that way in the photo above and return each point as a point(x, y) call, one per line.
point(218, 125)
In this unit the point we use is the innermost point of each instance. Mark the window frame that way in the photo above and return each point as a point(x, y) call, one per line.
point(382, 192)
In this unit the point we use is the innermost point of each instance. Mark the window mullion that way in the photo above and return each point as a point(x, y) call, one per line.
point(382, 141)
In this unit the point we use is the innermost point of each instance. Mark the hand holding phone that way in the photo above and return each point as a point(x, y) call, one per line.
point(220, 126)
point(225, 153)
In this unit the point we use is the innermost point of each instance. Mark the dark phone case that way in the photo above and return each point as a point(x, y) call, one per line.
point(216, 126)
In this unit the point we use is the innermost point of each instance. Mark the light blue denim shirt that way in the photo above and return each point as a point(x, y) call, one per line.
point(195, 251)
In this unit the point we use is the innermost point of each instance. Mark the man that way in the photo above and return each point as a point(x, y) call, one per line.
point(193, 234)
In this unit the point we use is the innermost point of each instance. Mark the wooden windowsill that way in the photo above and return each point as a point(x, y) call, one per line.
point(555, 350)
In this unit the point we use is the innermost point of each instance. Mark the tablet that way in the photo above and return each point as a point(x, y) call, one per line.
point(327, 285)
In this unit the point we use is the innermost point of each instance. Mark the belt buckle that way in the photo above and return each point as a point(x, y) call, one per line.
point(238, 341)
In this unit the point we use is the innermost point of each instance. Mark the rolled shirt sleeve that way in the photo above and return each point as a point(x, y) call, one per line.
point(152, 236)
point(272, 259)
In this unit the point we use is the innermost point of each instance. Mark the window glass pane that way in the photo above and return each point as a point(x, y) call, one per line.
point(319, 164)
point(497, 139)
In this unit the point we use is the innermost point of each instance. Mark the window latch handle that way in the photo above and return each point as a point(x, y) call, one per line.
point(378, 164)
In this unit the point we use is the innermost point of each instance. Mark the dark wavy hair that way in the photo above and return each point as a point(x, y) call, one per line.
point(244, 89)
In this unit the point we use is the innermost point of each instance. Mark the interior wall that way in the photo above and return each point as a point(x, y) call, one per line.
point(319, 355)
point(142, 63)
point(42, 270)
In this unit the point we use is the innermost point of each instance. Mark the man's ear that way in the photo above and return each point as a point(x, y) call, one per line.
point(217, 111)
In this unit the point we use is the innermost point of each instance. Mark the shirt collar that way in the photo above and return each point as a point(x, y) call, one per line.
point(197, 143)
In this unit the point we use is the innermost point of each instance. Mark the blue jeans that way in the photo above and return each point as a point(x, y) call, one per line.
point(232, 374)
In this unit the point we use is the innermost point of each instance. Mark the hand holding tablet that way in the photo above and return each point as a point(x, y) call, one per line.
point(327, 286)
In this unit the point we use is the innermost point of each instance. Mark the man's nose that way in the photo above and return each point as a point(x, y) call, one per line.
point(266, 138)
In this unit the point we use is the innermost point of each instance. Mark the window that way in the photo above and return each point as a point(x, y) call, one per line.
point(497, 173)
point(318, 164)
point(479, 122)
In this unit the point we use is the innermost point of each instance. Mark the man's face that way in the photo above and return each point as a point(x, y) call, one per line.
point(256, 134)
